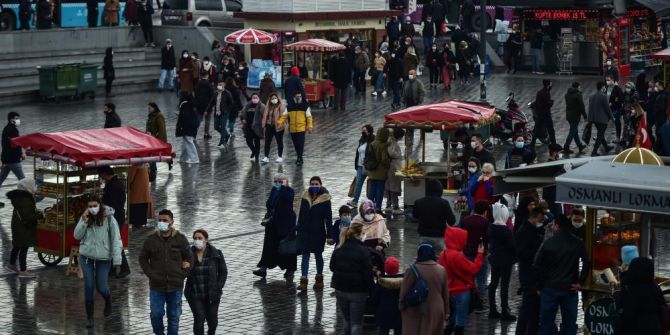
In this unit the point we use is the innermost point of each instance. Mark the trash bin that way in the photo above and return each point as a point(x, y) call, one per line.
point(59, 81)
point(88, 80)
point(47, 75)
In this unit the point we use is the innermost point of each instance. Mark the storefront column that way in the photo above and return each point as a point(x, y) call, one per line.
point(645, 236)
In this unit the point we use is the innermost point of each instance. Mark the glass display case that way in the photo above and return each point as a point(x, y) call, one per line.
point(613, 230)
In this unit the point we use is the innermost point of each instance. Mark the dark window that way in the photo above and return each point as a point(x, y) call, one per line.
point(234, 5)
point(213, 5)
point(175, 4)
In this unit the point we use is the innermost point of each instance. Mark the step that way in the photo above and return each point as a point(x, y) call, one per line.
point(18, 61)
point(26, 77)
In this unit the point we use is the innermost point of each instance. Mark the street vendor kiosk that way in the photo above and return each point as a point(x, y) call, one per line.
point(664, 56)
point(628, 204)
point(66, 165)
point(447, 116)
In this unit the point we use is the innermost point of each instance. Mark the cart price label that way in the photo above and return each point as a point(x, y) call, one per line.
point(600, 317)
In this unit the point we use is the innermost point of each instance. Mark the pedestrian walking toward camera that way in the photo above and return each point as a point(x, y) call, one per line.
point(574, 111)
point(11, 155)
point(188, 72)
point(43, 15)
point(282, 225)
point(108, 72)
point(367, 136)
point(379, 75)
point(314, 221)
point(299, 117)
point(24, 226)
point(448, 65)
point(465, 58)
point(110, 17)
point(361, 65)
point(144, 12)
point(434, 63)
point(272, 130)
point(426, 318)
point(410, 62)
point(112, 119)
point(205, 282)
point(187, 127)
point(156, 127)
point(92, 13)
point(166, 274)
point(502, 256)
point(99, 248)
point(394, 70)
point(114, 196)
point(352, 278)
point(237, 106)
point(168, 66)
point(252, 125)
point(203, 98)
point(223, 108)
point(600, 115)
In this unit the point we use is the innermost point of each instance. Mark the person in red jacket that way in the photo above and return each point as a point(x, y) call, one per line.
point(460, 275)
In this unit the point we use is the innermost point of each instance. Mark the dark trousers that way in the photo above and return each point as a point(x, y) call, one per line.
point(148, 30)
point(359, 81)
point(616, 114)
point(395, 86)
point(270, 134)
point(138, 214)
point(19, 254)
point(600, 137)
point(204, 310)
point(529, 314)
point(24, 23)
point(341, 98)
point(153, 172)
point(434, 74)
point(573, 134)
point(92, 19)
point(500, 275)
point(544, 123)
point(108, 85)
point(298, 143)
point(253, 142)
point(550, 300)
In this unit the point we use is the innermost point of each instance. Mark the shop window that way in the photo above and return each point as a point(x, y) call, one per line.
point(211, 5)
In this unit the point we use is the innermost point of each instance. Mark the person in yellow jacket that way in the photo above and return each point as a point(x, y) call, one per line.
point(299, 119)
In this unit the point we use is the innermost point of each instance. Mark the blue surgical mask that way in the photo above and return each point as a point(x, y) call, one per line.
point(345, 220)
point(162, 226)
point(277, 185)
point(314, 189)
point(519, 145)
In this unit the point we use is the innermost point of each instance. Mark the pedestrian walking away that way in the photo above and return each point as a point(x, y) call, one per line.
point(166, 273)
point(600, 115)
point(156, 127)
point(24, 226)
point(144, 15)
point(477, 226)
point(223, 108)
point(11, 155)
point(99, 249)
point(434, 214)
point(543, 121)
point(114, 196)
point(377, 164)
point(205, 282)
point(274, 109)
point(187, 128)
point(502, 257)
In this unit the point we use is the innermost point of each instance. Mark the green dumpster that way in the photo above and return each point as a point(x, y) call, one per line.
point(88, 80)
point(58, 81)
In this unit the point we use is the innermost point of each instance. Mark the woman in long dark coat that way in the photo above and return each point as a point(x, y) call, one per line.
point(641, 300)
point(280, 204)
point(24, 226)
point(314, 222)
point(108, 71)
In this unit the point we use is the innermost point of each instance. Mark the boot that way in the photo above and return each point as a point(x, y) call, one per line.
point(493, 312)
point(125, 269)
point(108, 306)
point(261, 272)
point(89, 314)
point(507, 316)
point(318, 285)
point(303, 284)
point(459, 330)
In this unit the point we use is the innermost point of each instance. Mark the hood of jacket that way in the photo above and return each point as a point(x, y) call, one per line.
point(390, 282)
point(15, 194)
point(433, 188)
point(455, 238)
point(382, 135)
point(321, 198)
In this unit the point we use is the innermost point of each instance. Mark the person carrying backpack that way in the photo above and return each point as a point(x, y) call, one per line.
point(429, 279)
point(377, 164)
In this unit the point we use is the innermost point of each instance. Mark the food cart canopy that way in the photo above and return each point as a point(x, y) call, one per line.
point(663, 54)
point(445, 115)
point(634, 187)
point(660, 7)
point(315, 45)
point(250, 36)
point(96, 147)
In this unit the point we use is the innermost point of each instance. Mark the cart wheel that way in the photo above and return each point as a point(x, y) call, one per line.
point(48, 259)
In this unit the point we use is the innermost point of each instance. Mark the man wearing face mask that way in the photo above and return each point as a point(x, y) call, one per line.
point(299, 116)
point(611, 70)
point(478, 150)
point(600, 115)
point(394, 69)
point(520, 154)
point(11, 156)
point(112, 120)
point(168, 66)
point(615, 96)
point(166, 260)
point(578, 220)
point(528, 239)
point(114, 196)
point(407, 28)
point(428, 32)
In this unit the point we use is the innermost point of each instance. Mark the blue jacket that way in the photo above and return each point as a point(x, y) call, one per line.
point(293, 85)
point(314, 220)
point(284, 216)
point(472, 186)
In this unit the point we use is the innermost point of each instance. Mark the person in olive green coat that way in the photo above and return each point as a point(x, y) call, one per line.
point(377, 164)
point(156, 127)
point(24, 225)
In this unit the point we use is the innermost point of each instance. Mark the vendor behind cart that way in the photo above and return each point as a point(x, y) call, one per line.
point(114, 196)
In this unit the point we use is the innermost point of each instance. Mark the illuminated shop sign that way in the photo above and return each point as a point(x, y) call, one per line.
point(560, 14)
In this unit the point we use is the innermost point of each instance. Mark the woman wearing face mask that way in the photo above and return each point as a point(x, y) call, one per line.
point(205, 282)
point(376, 235)
point(393, 187)
point(209, 71)
point(241, 78)
point(482, 187)
point(315, 220)
point(367, 136)
point(251, 118)
point(271, 114)
point(187, 72)
point(473, 173)
point(434, 64)
point(100, 244)
point(280, 204)
point(448, 66)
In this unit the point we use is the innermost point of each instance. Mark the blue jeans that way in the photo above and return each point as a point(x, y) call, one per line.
point(304, 265)
point(481, 276)
point(377, 190)
point(360, 181)
point(14, 167)
point(379, 81)
point(461, 305)
point(231, 124)
point(158, 300)
point(96, 273)
point(169, 75)
point(396, 91)
point(188, 150)
point(550, 300)
point(573, 133)
point(427, 43)
point(537, 54)
point(352, 306)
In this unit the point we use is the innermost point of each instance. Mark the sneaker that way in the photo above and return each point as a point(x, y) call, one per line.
point(260, 272)
point(12, 269)
point(540, 72)
point(383, 93)
point(374, 94)
point(265, 160)
point(352, 203)
point(279, 160)
point(27, 274)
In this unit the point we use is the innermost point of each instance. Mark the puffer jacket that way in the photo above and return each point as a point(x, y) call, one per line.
point(352, 267)
point(100, 242)
point(299, 118)
point(460, 271)
point(24, 219)
point(379, 147)
point(161, 260)
point(216, 276)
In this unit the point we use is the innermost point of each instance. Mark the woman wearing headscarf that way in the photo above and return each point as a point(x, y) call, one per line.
point(426, 318)
point(187, 72)
point(502, 257)
point(449, 62)
point(280, 204)
point(24, 226)
point(642, 302)
point(376, 235)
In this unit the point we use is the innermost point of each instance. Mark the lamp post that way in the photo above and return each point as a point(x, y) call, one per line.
point(482, 51)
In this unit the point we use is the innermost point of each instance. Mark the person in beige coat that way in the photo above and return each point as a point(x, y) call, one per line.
point(428, 318)
point(139, 195)
point(110, 16)
point(393, 187)
point(273, 131)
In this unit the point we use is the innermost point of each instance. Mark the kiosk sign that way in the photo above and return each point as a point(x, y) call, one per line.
point(600, 317)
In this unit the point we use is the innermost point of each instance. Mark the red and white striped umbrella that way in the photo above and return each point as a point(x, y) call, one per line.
point(251, 36)
point(315, 45)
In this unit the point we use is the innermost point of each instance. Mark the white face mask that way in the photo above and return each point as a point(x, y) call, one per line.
point(17, 122)
point(94, 210)
point(609, 62)
point(199, 244)
point(411, 77)
point(274, 101)
point(539, 224)
point(473, 144)
point(434, 48)
point(560, 155)
point(577, 224)
point(241, 68)
point(220, 87)
point(472, 169)
point(206, 63)
point(369, 217)
point(184, 55)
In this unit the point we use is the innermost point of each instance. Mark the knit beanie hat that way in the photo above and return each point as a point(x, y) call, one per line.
point(391, 265)
point(295, 71)
point(628, 253)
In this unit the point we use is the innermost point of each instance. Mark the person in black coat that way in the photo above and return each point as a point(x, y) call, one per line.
point(393, 29)
point(93, 15)
point(528, 240)
point(544, 122)
point(386, 296)
point(43, 14)
point(314, 222)
point(11, 155)
point(293, 85)
point(112, 120)
point(204, 97)
point(438, 13)
point(114, 196)
point(144, 12)
point(108, 71)
point(526, 204)
point(341, 77)
point(661, 101)
point(187, 127)
point(168, 66)
point(641, 302)
point(394, 70)
point(434, 63)
point(434, 213)
point(25, 12)
point(205, 282)
point(352, 278)
point(502, 257)
point(616, 98)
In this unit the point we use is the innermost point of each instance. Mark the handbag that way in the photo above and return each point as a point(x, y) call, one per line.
point(288, 245)
point(267, 219)
point(418, 294)
point(586, 134)
point(352, 188)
